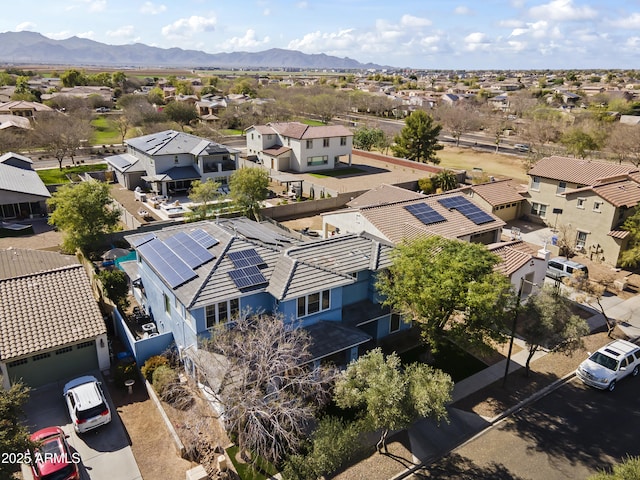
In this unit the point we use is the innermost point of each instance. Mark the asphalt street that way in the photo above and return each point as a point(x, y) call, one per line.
point(572, 433)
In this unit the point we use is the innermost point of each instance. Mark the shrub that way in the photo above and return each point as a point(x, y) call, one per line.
point(151, 364)
point(162, 377)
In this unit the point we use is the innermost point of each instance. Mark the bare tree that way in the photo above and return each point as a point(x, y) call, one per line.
point(122, 124)
point(269, 391)
point(458, 119)
point(624, 143)
point(590, 292)
point(62, 135)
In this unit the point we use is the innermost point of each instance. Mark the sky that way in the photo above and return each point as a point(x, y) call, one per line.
point(421, 34)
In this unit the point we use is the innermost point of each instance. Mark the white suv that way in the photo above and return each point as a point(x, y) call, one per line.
point(610, 364)
point(87, 405)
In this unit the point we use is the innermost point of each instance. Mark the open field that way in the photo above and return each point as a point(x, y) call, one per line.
point(498, 165)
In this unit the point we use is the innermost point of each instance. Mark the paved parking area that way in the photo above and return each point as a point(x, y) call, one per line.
point(105, 452)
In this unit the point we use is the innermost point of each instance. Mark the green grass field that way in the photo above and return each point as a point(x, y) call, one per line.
point(337, 173)
point(54, 176)
point(104, 133)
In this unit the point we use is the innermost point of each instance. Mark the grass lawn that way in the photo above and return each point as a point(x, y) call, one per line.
point(53, 176)
point(104, 133)
point(229, 131)
point(263, 471)
point(337, 173)
point(491, 163)
point(449, 358)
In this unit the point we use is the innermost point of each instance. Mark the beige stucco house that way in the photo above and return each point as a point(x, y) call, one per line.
point(588, 197)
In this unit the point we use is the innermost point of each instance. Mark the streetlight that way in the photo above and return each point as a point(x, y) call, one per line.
point(513, 327)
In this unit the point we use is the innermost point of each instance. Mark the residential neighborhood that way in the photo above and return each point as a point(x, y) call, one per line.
point(309, 226)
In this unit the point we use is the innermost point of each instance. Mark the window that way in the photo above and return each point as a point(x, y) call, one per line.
point(562, 186)
point(314, 303)
point(538, 209)
point(221, 312)
point(597, 206)
point(581, 202)
point(167, 302)
point(325, 142)
point(581, 239)
point(535, 183)
point(309, 143)
point(394, 322)
point(343, 141)
point(319, 160)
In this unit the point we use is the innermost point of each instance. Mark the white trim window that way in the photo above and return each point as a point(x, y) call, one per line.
point(535, 183)
point(314, 303)
point(581, 202)
point(562, 186)
point(221, 312)
point(538, 210)
point(597, 206)
point(581, 239)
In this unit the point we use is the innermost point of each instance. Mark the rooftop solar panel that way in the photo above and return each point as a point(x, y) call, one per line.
point(190, 251)
point(142, 239)
point(468, 209)
point(171, 268)
point(247, 277)
point(245, 258)
point(425, 213)
point(203, 238)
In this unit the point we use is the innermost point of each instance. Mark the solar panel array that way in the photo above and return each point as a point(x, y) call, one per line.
point(203, 238)
point(424, 213)
point(143, 239)
point(188, 249)
point(468, 209)
point(245, 258)
point(173, 270)
point(247, 277)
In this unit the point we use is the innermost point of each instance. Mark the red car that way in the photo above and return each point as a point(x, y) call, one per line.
point(53, 459)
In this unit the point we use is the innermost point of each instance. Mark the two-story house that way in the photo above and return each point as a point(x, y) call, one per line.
point(593, 198)
point(22, 192)
point(167, 162)
point(193, 277)
point(296, 147)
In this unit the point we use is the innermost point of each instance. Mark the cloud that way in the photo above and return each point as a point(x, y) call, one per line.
point(188, 27)
point(414, 22)
point(476, 41)
point(462, 10)
point(562, 10)
point(631, 22)
point(266, 12)
point(316, 42)
point(124, 32)
point(249, 40)
point(302, 4)
point(59, 35)
point(150, 8)
point(28, 26)
point(90, 34)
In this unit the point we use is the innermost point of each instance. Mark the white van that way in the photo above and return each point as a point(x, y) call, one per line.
point(609, 364)
point(560, 267)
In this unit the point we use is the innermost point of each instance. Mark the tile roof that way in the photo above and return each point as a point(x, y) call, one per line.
point(514, 255)
point(392, 220)
point(498, 192)
point(620, 194)
point(576, 170)
point(17, 262)
point(383, 194)
point(47, 310)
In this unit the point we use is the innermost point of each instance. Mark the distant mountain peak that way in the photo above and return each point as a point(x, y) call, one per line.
point(32, 47)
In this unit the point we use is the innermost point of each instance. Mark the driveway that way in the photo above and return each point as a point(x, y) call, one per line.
point(105, 452)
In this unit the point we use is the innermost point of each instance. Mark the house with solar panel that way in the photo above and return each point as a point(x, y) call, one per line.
point(192, 277)
point(166, 163)
point(296, 147)
point(395, 214)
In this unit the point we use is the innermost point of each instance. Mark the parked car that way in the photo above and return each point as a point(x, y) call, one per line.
point(88, 407)
point(53, 459)
point(611, 363)
point(522, 147)
point(559, 267)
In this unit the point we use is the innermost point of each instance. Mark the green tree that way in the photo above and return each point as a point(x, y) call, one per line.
point(630, 257)
point(549, 323)
point(366, 138)
point(426, 185)
point(629, 469)
point(84, 212)
point(418, 140)
point(249, 187)
point(14, 437)
point(182, 113)
point(445, 180)
point(450, 288)
point(116, 286)
point(579, 142)
point(391, 396)
point(73, 78)
point(204, 193)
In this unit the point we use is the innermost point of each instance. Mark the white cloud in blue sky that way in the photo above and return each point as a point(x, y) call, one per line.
point(439, 34)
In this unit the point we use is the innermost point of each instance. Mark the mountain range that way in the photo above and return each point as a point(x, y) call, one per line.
point(34, 48)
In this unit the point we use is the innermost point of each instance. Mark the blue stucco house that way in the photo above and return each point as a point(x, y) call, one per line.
point(192, 277)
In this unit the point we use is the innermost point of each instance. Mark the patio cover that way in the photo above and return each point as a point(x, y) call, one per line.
point(328, 338)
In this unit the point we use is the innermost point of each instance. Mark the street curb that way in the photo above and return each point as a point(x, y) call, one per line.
point(492, 423)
